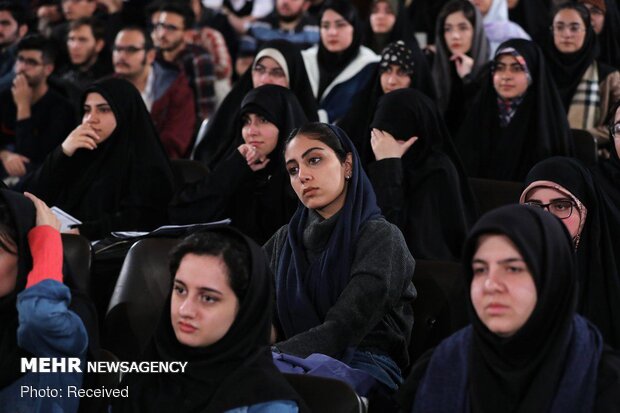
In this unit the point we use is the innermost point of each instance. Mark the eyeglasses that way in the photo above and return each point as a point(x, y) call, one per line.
point(28, 62)
point(614, 130)
point(275, 72)
point(573, 28)
point(76, 1)
point(128, 49)
point(561, 208)
point(167, 27)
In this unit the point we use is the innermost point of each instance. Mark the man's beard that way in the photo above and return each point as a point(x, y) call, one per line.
point(291, 18)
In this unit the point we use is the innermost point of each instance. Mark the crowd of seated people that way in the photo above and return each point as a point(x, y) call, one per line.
point(349, 140)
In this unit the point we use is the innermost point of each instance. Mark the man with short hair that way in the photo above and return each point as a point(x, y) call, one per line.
point(12, 28)
point(164, 89)
point(33, 118)
point(174, 23)
point(86, 47)
point(290, 22)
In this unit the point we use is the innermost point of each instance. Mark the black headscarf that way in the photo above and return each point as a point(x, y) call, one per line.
point(568, 68)
point(357, 120)
point(263, 201)
point(23, 215)
point(551, 363)
point(305, 292)
point(431, 170)
point(331, 64)
point(607, 172)
point(219, 141)
point(539, 128)
point(127, 182)
point(533, 16)
point(598, 258)
point(235, 371)
point(609, 38)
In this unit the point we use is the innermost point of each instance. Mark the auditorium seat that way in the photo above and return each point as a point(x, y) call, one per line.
point(326, 395)
point(491, 193)
point(138, 298)
point(78, 256)
point(586, 148)
point(440, 308)
point(187, 171)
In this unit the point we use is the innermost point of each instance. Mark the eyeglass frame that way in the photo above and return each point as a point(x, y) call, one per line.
point(29, 62)
point(127, 49)
point(612, 128)
point(546, 206)
point(573, 28)
point(276, 72)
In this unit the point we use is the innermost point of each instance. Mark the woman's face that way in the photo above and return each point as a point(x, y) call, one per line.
point(336, 32)
point(203, 305)
point(560, 206)
point(317, 174)
point(99, 115)
point(502, 291)
point(597, 17)
point(260, 133)
point(458, 33)
point(509, 77)
point(569, 31)
point(394, 78)
point(382, 18)
point(8, 268)
point(268, 72)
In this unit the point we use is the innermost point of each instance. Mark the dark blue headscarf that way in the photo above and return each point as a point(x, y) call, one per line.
point(306, 291)
point(550, 364)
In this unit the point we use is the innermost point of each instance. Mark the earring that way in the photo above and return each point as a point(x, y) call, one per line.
point(347, 177)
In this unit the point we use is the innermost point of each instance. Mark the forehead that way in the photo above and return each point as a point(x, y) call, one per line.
point(129, 37)
point(300, 144)
point(203, 271)
point(331, 16)
point(456, 18)
point(5, 15)
point(496, 246)
point(94, 98)
point(545, 194)
point(268, 62)
point(507, 59)
point(82, 31)
point(568, 16)
point(171, 18)
point(31, 54)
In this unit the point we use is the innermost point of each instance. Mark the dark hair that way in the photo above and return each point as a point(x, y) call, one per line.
point(320, 132)
point(583, 11)
point(96, 26)
point(8, 232)
point(223, 244)
point(148, 41)
point(16, 10)
point(343, 8)
point(182, 9)
point(40, 43)
point(455, 6)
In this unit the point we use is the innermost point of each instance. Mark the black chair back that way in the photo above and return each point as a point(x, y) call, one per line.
point(326, 395)
point(491, 193)
point(440, 308)
point(138, 297)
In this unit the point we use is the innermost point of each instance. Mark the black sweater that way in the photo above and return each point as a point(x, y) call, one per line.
point(374, 310)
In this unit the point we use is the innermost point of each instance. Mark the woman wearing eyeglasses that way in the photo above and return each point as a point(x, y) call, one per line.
point(566, 189)
point(587, 86)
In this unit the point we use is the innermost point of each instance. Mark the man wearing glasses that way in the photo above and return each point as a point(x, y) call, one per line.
point(169, 34)
point(164, 89)
point(33, 118)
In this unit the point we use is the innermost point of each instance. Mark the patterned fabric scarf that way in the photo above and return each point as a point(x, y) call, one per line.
point(585, 107)
point(507, 109)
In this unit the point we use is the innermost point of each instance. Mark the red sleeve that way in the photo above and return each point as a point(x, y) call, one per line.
point(46, 249)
